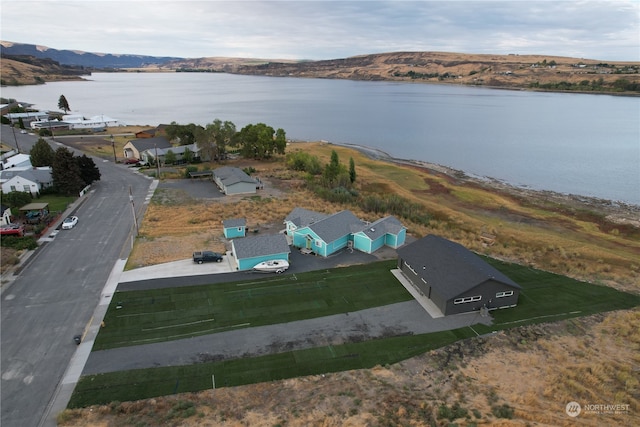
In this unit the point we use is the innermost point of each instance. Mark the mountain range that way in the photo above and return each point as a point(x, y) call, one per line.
point(34, 64)
point(80, 58)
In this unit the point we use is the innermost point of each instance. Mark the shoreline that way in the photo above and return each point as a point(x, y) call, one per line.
point(615, 211)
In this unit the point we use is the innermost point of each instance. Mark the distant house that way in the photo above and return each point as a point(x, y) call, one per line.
point(178, 152)
point(232, 180)
point(234, 228)
point(28, 117)
point(78, 121)
point(326, 234)
point(28, 180)
point(134, 148)
point(150, 133)
point(17, 161)
point(250, 251)
point(455, 279)
point(5, 215)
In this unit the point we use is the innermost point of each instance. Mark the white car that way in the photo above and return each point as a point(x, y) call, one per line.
point(69, 222)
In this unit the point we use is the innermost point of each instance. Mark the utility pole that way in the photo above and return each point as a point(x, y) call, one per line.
point(15, 138)
point(113, 144)
point(157, 162)
point(133, 210)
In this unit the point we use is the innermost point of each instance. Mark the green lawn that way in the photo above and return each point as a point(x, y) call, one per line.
point(545, 297)
point(56, 203)
point(168, 314)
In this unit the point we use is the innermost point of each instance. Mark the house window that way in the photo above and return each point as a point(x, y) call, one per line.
point(504, 294)
point(467, 299)
point(13, 188)
point(240, 229)
point(318, 243)
point(26, 188)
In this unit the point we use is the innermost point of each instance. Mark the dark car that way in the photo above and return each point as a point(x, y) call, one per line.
point(206, 256)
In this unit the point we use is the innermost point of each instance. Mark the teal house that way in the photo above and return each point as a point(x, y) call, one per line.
point(236, 227)
point(250, 251)
point(387, 231)
point(325, 234)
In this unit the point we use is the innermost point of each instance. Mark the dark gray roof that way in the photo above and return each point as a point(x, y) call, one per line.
point(255, 246)
point(448, 266)
point(302, 217)
point(388, 224)
point(229, 175)
point(234, 222)
point(337, 225)
point(143, 144)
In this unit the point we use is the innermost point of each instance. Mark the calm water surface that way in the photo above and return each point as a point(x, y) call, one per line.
point(570, 143)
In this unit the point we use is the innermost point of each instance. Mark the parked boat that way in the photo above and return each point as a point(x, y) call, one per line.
point(274, 265)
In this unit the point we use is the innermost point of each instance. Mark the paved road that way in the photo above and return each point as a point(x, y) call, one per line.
point(54, 297)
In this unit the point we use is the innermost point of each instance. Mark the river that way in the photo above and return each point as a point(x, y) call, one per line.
point(569, 143)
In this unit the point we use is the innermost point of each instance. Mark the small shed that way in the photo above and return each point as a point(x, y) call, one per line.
point(455, 279)
point(236, 227)
point(253, 250)
point(232, 180)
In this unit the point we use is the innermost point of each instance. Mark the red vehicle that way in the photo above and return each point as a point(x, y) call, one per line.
point(12, 230)
point(131, 161)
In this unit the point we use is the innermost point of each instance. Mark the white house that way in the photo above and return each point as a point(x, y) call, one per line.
point(29, 180)
point(5, 215)
point(18, 161)
point(78, 121)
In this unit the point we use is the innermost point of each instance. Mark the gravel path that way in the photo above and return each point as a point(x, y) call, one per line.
point(391, 320)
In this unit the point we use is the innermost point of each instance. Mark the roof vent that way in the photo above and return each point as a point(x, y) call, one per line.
point(372, 229)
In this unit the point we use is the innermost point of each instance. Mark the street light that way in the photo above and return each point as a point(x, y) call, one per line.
point(113, 145)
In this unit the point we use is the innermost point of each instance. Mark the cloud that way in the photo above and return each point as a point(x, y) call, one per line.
point(327, 29)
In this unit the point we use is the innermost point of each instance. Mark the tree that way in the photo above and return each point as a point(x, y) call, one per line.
point(261, 141)
point(88, 169)
point(187, 155)
point(183, 134)
point(41, 154)
point(16, 199)
point(352, 170)
point(63, 104)
point(170, 158)
point(65, 172)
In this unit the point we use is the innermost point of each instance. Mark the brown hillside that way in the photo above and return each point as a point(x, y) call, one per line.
point(17, 72)
point(508, 71)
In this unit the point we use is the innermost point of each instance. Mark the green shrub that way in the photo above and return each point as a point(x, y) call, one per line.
point(18, 243)
point(502, 411)
point(453, 412)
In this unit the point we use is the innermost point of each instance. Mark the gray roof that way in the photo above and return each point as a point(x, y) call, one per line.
point(143, 144)
point(337, 225)
point(302, 217)
point(449, 267)
point(42, 176)
point(180, 149)
point(383, 226)
point(255, 246)
point(234, 222)
point(229, 175)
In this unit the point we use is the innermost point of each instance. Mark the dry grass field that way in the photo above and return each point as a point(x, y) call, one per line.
point(528, 374)
point(592, 241)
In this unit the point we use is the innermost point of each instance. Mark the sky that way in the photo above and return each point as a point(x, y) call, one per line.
point(327, 29)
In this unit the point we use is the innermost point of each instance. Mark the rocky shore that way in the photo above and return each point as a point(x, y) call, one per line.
point(613, 211)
